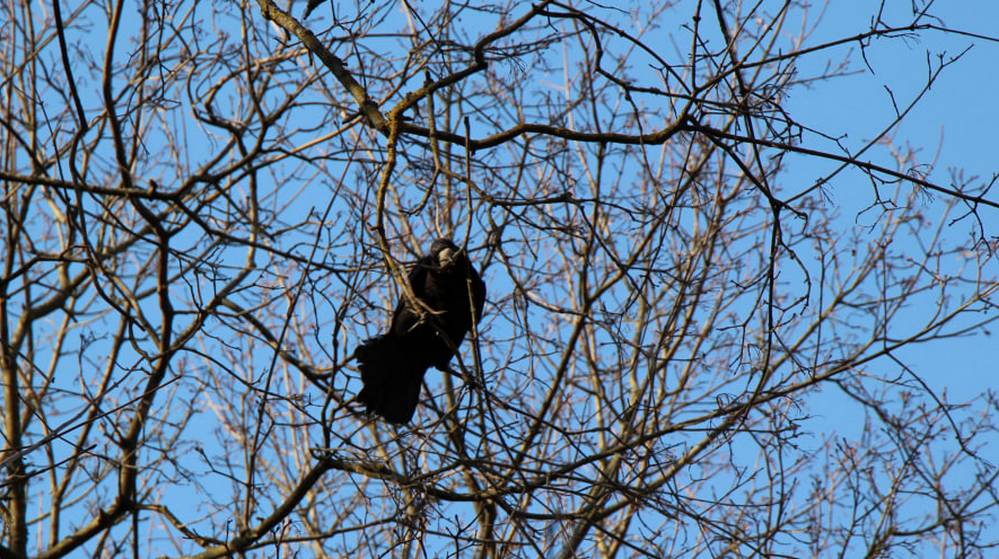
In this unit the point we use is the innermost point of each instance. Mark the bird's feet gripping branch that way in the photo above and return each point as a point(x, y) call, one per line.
point(450, 295)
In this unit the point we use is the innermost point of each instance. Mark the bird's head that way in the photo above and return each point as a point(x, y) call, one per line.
point(446, 252)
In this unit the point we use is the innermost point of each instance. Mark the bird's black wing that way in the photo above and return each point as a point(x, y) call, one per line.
point(407, 314)
point(447, 291)
point(478, 292)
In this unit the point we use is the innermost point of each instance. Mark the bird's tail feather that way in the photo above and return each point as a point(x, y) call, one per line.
point(392, 380)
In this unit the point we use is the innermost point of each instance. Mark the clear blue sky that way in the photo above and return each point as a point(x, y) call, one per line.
point(954, 124)
point(957, 118)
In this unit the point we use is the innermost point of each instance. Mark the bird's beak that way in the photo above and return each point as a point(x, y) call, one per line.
point(445, 258)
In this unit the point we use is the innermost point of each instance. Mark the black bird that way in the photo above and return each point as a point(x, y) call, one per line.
point(393, 364)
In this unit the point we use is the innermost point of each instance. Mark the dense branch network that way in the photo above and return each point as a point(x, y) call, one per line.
point(204, 219)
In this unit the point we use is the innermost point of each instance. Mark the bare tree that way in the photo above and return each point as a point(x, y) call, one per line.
point(687, 349)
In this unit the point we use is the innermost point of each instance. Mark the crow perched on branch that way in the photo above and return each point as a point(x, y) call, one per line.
point(393, 364)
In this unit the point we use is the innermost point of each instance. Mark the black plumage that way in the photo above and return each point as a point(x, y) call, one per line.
point(311, 5)
point(392, 365)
